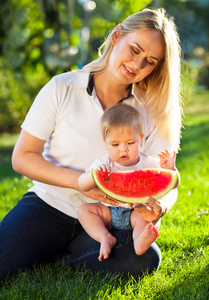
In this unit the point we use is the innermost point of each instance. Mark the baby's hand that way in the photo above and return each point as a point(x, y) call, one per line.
point(166, 160)
point(104, 168)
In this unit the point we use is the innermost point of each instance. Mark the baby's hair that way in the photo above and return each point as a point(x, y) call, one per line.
point(120, 115)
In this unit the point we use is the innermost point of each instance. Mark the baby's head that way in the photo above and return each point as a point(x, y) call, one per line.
point(122, 133)
point(121, 117)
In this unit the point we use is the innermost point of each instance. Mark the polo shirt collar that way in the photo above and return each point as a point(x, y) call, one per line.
point(78, 79)
point(90, 86)
point(86, 80)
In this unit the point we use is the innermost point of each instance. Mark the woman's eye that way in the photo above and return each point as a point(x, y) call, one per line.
point(136, 51)
point(150, 62)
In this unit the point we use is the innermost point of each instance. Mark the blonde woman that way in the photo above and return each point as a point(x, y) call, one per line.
point(139, 64)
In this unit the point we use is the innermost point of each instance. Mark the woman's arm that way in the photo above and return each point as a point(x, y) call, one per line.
point(28, 161)
point(168, 201)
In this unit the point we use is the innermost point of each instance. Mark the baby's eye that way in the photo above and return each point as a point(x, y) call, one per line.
point(115, 145)
point(131, 143)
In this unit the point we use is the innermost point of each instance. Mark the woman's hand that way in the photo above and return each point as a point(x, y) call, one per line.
point(98, 195)
point(150, 211)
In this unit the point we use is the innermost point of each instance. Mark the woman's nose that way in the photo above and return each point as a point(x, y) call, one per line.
point(139, 63)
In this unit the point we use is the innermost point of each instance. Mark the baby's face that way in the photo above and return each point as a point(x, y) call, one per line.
point(123, 146)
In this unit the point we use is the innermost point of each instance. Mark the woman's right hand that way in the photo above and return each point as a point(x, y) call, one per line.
point(98, 195)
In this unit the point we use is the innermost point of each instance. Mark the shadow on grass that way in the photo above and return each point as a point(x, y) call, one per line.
point(60, 282)
point(6, 169)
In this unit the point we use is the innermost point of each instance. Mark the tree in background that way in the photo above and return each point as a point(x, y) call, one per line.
point(42, 38)
point(191, 18)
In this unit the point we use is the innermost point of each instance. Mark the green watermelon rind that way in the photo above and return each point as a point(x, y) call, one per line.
point(174, 176)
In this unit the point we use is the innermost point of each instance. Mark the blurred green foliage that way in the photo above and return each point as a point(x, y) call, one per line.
point(203, 74)
point(42, 38)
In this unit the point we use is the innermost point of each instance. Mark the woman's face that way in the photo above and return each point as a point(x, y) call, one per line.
point(135, 55)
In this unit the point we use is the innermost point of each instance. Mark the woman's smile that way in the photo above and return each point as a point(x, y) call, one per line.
point(129, 71)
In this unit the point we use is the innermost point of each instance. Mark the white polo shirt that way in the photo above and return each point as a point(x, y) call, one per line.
point(68, 118)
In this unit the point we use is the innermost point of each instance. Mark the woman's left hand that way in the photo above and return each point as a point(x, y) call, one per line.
point(150, 211)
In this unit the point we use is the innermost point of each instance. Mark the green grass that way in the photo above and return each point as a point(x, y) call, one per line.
point(184, 238)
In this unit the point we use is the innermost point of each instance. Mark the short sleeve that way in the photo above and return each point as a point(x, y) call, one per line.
point(41, 118)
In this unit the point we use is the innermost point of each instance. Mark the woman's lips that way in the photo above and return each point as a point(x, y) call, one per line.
point(129, 71)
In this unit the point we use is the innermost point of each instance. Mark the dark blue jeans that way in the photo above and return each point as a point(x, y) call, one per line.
point(34, 232)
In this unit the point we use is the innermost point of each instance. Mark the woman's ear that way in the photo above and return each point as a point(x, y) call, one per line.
point(115, 34)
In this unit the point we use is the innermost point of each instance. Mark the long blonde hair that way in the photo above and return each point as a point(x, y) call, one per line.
point(161, 88)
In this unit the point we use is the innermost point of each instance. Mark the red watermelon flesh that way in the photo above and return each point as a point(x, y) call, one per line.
point(135, 186)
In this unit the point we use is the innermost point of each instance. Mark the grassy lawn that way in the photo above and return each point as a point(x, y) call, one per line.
point(184, 234)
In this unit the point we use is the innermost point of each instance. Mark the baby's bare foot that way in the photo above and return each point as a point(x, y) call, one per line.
point(145, 239)
point(107, 243)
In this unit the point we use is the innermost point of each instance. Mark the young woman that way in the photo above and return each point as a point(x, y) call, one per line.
point(139, 64)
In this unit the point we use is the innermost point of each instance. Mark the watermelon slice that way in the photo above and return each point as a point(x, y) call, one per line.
point(135, 186)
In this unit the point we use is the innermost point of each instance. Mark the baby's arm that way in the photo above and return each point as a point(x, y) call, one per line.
point(86, 182)
point(168, 162)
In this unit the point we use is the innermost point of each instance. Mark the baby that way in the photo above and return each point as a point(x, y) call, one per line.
point(122, 134)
